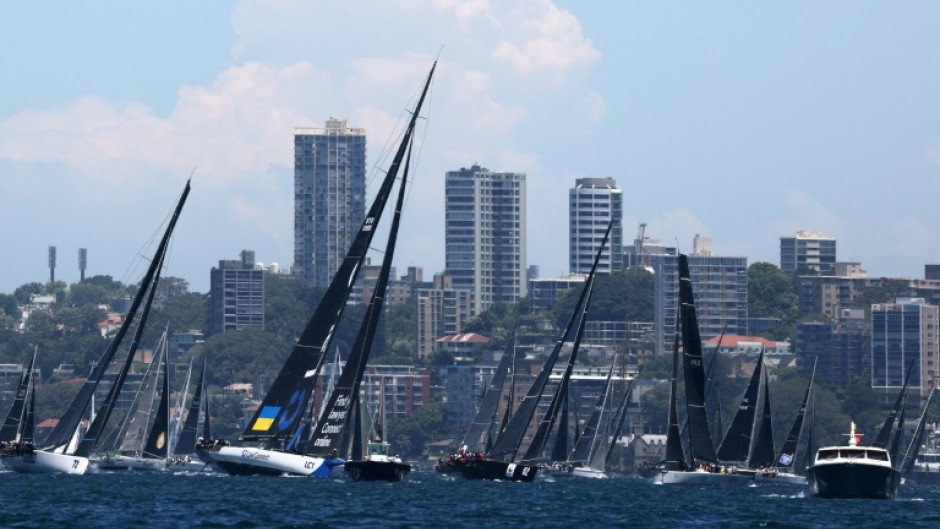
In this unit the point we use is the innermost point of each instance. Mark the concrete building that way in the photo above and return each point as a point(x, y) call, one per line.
point(808, 252)
point(720, 288)
point(236, 295)
point(442, 310)
point(902, 333)
point(485, 234)
point(841, 347)
point(544, 290)
point(592, 204)
point(329, 197)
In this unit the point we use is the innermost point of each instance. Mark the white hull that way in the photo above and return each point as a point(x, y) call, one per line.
point(786, 478)
point(237, 460)
point(697, 477)
point(585, 472)
point(42, 462)
point(121, 463)
point(193, 465)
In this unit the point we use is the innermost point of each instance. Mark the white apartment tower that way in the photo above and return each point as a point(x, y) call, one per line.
point(485, 234)
point(592, 203)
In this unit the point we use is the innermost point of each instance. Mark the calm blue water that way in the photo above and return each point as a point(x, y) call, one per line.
point(429, 500)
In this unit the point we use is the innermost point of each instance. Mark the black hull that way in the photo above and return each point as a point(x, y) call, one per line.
point(496, 470)
point(376, 470)
point(850, 480)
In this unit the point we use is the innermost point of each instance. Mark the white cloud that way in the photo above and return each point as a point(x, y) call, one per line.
point(551, 40)
point(676, 227)
point(804, 213)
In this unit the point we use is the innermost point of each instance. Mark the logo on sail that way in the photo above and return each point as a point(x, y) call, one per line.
point(266, 418)
point(786, 459)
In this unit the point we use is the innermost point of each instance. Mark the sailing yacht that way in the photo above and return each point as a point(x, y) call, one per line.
point(499, 463)
point(378, 463)
point(183, 458)
point(273, 442)
point(151, 454)
point(16, 434)
point(66, 449)
point(784, 469)
point(704, 468)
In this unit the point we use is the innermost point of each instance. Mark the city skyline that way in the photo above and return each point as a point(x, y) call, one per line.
point(741, 123)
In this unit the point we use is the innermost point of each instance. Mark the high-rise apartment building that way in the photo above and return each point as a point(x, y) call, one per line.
point(840, 347)
point(485, 234)
point(720, 288)
point(902, 334)
point(236, 295)
point(592, 204)
point(808, 253)
point(329, 197)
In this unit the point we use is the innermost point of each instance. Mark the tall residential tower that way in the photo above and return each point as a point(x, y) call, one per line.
point(485, 234)
point(329, 197)
point(592, 203)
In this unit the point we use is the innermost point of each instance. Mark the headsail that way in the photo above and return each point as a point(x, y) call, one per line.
point(186, 444)
point(482, 424)
point(762, 456)
point(15, 423)
point(159, 437)
point(281, 410)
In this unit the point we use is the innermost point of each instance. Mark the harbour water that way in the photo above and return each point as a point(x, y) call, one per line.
point(427, 499)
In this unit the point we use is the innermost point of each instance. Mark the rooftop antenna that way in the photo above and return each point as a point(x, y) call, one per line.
point(82, 263)
point(52, 264)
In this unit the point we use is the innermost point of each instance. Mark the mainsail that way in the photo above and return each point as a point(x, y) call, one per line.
point(479, 431)
point(328, 434)
point(736, 444)
point(14, 428)
point(281, 410)
point(884, 435)
point(702, 448)
point(186, 444)
point(762, 456)
point(787, 455)
point(68, 424)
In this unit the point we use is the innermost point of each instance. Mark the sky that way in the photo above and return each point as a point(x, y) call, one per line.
point(740, 121)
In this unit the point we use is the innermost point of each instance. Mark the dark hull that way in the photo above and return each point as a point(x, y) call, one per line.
point(496, 470)
point(376, 470)
point(852, 480)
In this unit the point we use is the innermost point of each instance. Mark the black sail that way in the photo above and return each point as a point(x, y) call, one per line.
point(884, 435)
point(700, 440)
point(763, 454)
point(913, 449)
point(736, 444)
point(13, 426)
point(895, 449)
point(617, 425)
point(481, 426)
point(67, 425)
point(584, 448)
point(90, 439)
point(281, 410)
point(328, 434)
point(186, 444)
point(544, 429)
point(675, 455)
point(547, 423)
point(560, 448)
point(787, 455)
point(158, 439)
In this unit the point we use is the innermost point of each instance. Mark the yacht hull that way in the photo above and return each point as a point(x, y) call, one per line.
point(122, 463)
point(785, 478)
point(42, 462)
point(496, 470)
point(696, 477)
point(853, 480)
point(241, 461)
point(376, 470)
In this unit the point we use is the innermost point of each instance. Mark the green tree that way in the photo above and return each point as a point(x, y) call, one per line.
point(772, 294)
point(411, 435)
point(626, 295)
point(887, 292)
point(250, 355)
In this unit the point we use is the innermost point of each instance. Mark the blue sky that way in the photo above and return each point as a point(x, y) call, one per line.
point(740, 121)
